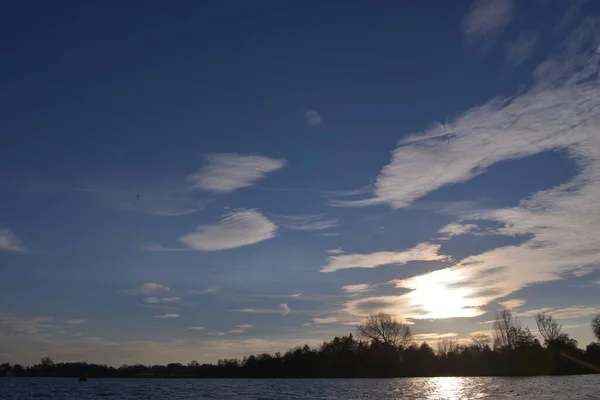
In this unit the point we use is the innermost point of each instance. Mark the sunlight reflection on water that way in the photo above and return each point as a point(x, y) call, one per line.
point(448, 388)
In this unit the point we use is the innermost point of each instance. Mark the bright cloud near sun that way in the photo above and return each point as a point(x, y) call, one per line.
point(422, 252)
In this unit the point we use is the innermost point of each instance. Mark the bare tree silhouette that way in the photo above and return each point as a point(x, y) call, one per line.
point(480, 341)
point(383, 328)
point(596, 326)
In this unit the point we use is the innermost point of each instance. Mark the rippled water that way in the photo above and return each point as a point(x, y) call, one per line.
point(571, 387)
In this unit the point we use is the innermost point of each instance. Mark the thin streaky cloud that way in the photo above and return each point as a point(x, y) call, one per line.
point(335, 251)
point(321, 321)
point(150, 288)
point(358, 288)
point(210, 290)
point(159, 247)
point(228, 172)
point(76, 321)
point(309, 222)
point(167, 316)
point(194, 328)
point(283, 309)
point(162, 300)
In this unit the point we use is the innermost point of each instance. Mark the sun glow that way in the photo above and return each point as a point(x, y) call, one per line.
point(436, 296)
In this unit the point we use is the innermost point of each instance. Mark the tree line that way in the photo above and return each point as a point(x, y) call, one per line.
point(384, 348)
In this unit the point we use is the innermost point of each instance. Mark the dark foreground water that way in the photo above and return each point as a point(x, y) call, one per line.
point(569, 387)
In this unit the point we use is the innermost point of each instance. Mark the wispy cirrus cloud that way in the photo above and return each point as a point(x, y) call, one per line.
point(312, 222)
point(150, 288)
point(520, 49)
point(159, 247)
point(456, 228)
point(9, 242)
point(283, 309)
point(236, 229)
point(512, 303)
point(209, 290)
point(559, 225)
point(564, 313)
point(76, 321)
point(321, 321)
point(433, 336)
point(358, 288)
point(487, 17)
point(421, 252)
point(162, 300)
point(240, 328)
point(167, 316)
point(194, 328)
point(228, 172)
point(313, 118)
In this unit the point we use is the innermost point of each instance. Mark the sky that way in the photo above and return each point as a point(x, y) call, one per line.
point(200, 180)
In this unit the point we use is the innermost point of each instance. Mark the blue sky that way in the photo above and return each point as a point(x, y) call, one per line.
point(196, 181)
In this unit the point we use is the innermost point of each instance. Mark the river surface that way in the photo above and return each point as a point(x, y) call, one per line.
point(567, 387)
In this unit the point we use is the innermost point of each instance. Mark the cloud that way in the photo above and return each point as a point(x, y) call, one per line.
point(195, 328)
point(283, 309)
point(296, 294)
point(210, 290)
point(328, 234)
point(163, 300)
point(150, 288)
point(433, 336)
point(240, 328)
point(564, 313)
point(307, 324)
point(15, 325)
point(158, 247)
point(76, 321)
point(228, 172)
point(455, 229)
point(335, 251)
point(435, 295)
point(216, 333)
point(487, 17)
point(9, 242)
point(359, 288)
point(519, 50)
point(313, 118)
point(236, 229)
point(306, 222)
point(513, 303)
point(172, 315)
point(319, 321)
point(559, 226)
point(421, 252)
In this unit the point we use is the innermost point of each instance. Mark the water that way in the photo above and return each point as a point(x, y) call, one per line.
point(571, 387)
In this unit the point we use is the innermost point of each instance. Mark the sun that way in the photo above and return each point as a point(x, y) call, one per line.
point(439, 297)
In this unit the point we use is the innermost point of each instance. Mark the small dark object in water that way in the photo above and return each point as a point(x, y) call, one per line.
point(83, 379)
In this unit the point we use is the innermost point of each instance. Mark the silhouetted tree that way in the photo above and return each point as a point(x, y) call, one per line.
point(383, 328)
point(446, 346)
point(480, 341)
point(596, 326)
